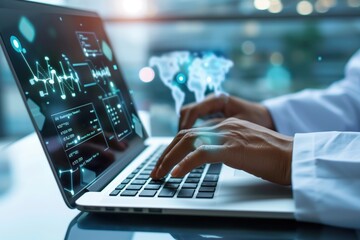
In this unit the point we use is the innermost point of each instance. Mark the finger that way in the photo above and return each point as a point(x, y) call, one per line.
point(188, 143)
point(178, 137)
point(190, 113)
point(166, 151)
point(212, 122)
point(203, 154)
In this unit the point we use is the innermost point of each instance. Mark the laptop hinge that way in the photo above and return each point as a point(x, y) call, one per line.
point(113, 171)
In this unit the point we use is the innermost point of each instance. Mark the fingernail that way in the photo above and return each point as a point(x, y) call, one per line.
point(176, 171)
point(157, 173)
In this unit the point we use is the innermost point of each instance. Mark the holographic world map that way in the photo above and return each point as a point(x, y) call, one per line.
point(199, 72)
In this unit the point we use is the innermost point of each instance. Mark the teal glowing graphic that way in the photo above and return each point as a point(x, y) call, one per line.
point(89, 44)
point(199, 73)
point(181, 78)
point(65, 81)
point(27, 29)
point(15, 43)
point(107, 51)
point(70, 173)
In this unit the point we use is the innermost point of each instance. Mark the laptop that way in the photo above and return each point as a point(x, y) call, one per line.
point(92, 135)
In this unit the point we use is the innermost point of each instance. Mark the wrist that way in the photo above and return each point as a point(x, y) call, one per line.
point(267, 119)
point(288, 161)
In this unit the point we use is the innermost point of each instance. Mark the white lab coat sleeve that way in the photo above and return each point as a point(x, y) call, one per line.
point(326, 178)
point(336, 108)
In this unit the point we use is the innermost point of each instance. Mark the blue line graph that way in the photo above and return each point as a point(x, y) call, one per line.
point(50, 78)
point(101, 73)
point(66, 80)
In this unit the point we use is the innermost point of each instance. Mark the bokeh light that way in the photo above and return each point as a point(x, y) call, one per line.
point(146, 74)
point(275, 6)
point(276, 58)
point(248, 47)
point(304, 8)
point(262, 4)
point(134, 8)
point(251, 29)
point(320, 7)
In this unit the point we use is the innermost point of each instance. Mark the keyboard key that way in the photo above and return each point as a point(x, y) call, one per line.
point(206, 189)
point(167, 192)
point(147, 193)
point(130, 176)
point(192, 180)
point(156, 182)
point(146, 172)
point(197, 170)
point(194, 175)
point(134, 187)
point(205, 195)
point(186, 193)
point(189, 185)
point(120, 186)
point(135, 171)
point(214, 168)
point(152, 187)
point(128, 193)
point(174, 180)
point(114, 193)
point(143, 177)
point(172, 185)
point(126, 181)
point(211, 178)
point(138, 182)
point(209, 184)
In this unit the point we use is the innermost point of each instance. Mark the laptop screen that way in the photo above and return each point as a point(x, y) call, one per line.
point(68, 75)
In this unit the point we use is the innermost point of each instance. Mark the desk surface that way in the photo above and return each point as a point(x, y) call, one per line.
point(31, 207)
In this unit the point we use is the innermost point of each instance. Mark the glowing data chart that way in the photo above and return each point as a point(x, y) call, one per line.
point(118, 117)
point(80, 131)
point(89, 74)
point(89, 44)
point(62, 80)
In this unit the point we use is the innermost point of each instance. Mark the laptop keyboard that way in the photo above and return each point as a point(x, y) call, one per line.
point(201, 182)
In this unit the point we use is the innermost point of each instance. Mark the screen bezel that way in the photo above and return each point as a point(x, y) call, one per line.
point(109, 173)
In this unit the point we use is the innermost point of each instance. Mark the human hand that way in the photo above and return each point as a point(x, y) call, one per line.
point(239, 144)
point(230, 107)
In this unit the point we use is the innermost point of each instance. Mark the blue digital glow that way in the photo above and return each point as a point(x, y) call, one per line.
point(199, 72)
point(181, 78)
point(15, 43)
point(27, 29)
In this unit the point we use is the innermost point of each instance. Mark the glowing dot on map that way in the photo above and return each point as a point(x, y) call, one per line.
point(181, 78)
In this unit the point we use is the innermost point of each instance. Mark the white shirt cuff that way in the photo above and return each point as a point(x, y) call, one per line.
point(281, 122)
point(304, 178)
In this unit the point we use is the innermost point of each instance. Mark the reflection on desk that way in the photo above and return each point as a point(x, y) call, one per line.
point(31, 206)
point(136, 227)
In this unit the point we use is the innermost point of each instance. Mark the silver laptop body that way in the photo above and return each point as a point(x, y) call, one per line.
point(91, 132)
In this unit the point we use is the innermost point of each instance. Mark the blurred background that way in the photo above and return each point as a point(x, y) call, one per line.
point(277, 46)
